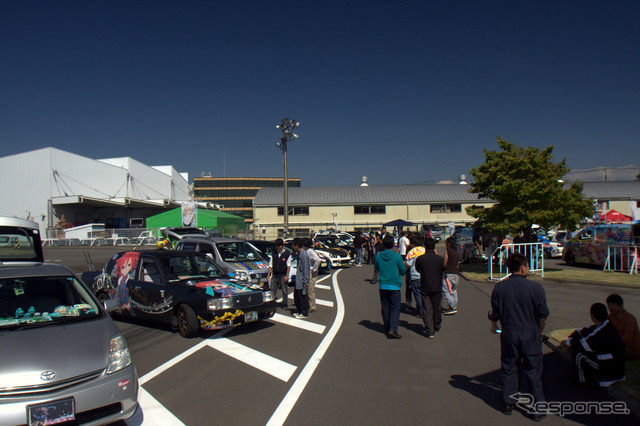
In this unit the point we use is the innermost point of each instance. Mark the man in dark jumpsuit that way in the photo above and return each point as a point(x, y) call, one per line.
point(521, 307)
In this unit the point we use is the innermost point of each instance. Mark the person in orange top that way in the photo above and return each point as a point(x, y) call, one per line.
point(626, 326)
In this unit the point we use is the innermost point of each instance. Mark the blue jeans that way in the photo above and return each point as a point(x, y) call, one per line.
point(358, 256)
point(450, 296)
point(390, 307)
point(415, 289)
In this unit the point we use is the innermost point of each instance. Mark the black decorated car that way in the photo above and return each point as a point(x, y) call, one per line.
point(181, 288)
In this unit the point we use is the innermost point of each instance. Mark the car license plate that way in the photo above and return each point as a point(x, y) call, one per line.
point(251, 316)
point(52, 412)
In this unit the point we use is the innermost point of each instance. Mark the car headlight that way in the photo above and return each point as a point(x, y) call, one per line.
point(119, 356)
point(333, 256)
point(241, 276)
point(267, 296)
point(219, 303)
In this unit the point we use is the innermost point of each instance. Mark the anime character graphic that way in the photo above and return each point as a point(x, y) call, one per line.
point(216, 286)
point(125, 268)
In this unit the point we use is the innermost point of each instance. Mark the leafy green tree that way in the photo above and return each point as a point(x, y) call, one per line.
point(527, 186)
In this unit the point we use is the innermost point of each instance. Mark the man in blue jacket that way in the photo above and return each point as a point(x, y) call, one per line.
point(391, 268)
point(520, 305)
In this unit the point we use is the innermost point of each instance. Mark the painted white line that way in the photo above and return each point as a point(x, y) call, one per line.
point(167, 365)
point(319, 302)
point(305, 325)
point(323, 287)
point(154, 412)
point(323, 278)
point(270, 365)
point(282, 412)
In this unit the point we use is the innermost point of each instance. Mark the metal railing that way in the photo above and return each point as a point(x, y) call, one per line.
point(622, 258)
point(115, 236)
point(533, 251)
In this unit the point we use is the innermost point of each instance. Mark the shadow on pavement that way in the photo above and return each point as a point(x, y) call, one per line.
point(558, 388)
point(375, 326)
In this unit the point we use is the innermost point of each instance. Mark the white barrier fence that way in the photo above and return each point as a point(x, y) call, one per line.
point(622, 258)
point(533, 251)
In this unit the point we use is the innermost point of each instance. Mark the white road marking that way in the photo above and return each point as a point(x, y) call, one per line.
point(323, 287)
point(319, 302)
point(154, 413)
point(282, 412)
point(305, 325)
point(270, 365)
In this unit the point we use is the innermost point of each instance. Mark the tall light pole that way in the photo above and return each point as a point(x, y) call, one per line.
point(287, 126)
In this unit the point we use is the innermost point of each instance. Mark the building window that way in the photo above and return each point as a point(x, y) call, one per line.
point(375, 209)
point(446, 208)
point(294, 211)
point(296, 232)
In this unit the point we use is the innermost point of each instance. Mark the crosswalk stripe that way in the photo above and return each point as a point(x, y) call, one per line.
point(319, 301)
point(323, 287)
point(154, 412)
point(303, 324)
point(270, 365)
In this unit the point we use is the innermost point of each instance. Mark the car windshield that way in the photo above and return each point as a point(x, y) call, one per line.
point(20, 244)
point(42, 301)
point(238, 251)
point(179, 268)
point(334, 242)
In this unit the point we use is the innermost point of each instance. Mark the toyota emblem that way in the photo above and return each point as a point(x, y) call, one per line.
point(249, 299)
point(48, 375)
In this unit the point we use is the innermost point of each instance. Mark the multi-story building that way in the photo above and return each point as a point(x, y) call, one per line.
point(235, 195)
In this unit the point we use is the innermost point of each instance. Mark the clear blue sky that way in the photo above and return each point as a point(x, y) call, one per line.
point(399, 91)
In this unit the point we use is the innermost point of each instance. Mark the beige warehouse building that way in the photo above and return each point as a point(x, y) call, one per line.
point(361, 208)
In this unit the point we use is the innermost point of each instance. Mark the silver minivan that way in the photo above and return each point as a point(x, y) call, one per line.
point(62, 358)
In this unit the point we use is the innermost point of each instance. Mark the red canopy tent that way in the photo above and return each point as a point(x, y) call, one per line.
point(614, 216)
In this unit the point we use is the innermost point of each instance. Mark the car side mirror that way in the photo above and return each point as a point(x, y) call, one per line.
point(110, 305)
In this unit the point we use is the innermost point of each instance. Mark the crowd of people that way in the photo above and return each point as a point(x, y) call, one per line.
point(518, 308)
point(426, 276)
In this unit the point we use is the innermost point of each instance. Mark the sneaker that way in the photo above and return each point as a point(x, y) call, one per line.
point(538, 417)
point(431, 336)
point(297, 315)
point(450, 312)
point(394, 335)
point(507, 409)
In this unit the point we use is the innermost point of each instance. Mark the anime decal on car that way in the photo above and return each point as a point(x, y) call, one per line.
point(125, 268)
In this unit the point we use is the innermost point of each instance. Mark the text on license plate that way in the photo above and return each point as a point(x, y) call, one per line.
point(251, 316)
point(51, 412)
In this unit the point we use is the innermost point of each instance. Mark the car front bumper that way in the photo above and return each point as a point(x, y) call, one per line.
point(104, 400)
point(225, 318)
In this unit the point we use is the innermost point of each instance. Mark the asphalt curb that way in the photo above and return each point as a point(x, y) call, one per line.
point(563, 280)
point(616, 391)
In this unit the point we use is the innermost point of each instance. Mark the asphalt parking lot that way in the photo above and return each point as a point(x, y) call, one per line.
point(338, 367)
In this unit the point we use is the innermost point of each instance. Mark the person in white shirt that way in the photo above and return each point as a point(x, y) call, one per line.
point(314, 262)
point(403, 243)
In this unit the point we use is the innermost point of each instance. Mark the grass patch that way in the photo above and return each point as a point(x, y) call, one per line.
point(480, 272)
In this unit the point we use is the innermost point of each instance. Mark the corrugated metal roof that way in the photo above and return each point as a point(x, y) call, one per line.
point(351, 195)
point(431, 193)
point(612, 190)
